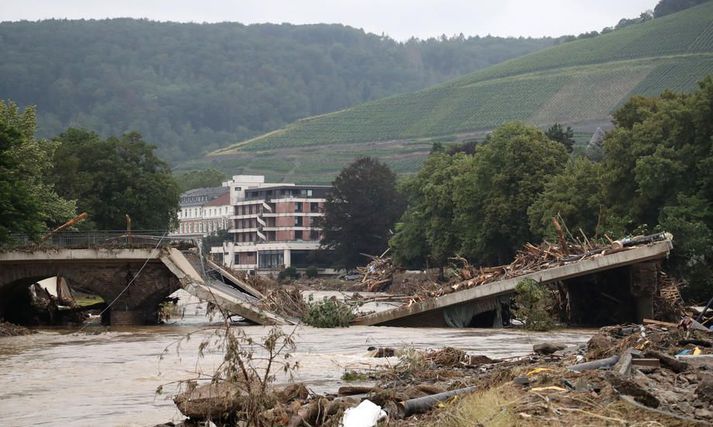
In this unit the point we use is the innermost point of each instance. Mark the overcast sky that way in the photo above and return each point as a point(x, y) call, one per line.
point(399, 19)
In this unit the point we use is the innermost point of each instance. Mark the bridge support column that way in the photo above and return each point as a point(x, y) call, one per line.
point(644, 279)
point(120, 317)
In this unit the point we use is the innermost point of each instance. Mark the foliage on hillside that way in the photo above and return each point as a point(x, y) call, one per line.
point(200, 178)
point(576, 82)
point(193, 88)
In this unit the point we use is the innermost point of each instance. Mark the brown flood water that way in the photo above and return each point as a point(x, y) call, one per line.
point(109, 377)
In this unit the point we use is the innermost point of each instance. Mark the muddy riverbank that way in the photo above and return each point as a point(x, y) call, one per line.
point(109, 377)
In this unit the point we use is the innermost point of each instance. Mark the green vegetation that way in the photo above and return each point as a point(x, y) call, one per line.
point(654, 174)
point(289, 273)
point(200, 178)
point(578, 84)
point(311, 272)
point(360, 210)
point(534, 302)
point(193, 88)
point(114, 177)
point(29, 203)
point(476, 205)
point(328, 313)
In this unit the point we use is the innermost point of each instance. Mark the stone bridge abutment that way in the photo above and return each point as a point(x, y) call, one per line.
point(103, 272)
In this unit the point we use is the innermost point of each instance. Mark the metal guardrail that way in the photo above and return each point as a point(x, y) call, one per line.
point(101, 238)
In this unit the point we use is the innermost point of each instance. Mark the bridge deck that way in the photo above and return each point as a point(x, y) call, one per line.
point(229, 299)
point(585, 267)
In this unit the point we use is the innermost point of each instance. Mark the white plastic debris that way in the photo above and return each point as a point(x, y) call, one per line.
point(367, 414)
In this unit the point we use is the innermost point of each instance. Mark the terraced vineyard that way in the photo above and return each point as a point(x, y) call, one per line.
point(577, 83)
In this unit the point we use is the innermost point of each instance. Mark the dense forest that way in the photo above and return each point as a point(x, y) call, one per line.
point(192, 88)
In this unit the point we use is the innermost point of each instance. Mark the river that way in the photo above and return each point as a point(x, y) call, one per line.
point(109, 376)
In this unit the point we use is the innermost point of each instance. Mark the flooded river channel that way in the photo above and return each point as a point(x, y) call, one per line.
point(109, 376)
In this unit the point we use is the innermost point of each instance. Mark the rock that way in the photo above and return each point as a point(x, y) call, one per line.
point(477, 359)
point(631, 388)
point(521, 380)
point(548, 348)
point(704, 391)
point(382, 351)
point(599, 345)
point(703, 413)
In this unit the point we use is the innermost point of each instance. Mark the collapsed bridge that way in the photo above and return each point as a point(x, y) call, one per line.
point(134, 278)
point(616, 284)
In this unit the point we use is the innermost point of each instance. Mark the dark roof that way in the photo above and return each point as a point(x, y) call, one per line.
point(201, 196)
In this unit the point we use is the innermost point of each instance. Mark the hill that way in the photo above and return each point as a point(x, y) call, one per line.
point(577, 83)
point(193, 88)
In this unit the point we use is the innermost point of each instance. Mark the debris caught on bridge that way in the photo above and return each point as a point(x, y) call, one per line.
point(531, 258)
point(378, 274)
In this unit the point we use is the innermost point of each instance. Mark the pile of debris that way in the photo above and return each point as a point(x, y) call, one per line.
point(287, 301)
point(378, 274)
point(533, 258)
point(654, 372)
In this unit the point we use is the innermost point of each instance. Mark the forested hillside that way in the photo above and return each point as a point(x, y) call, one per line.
point(578, 83)
point(192, 88)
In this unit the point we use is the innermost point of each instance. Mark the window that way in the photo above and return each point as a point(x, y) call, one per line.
point(298, 207)
point(298, 221)
point(314, 207)
point(299, 234)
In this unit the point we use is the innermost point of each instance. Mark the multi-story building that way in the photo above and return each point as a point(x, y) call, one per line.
point(204, 211)
point(273, 225)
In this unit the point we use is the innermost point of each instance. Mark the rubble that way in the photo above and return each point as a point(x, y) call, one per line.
point(627, 374)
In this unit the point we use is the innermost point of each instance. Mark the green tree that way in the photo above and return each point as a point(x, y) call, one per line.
point(426, 233)
point(667, 7)
point(360, 212)
point(115, 177)
point(199, 178)
point(575, 195)
point(28, 201)
point(658, 172)
point(564, 136)
point(492, 196)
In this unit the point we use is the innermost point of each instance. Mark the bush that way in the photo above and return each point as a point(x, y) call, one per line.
point(311, 272)
point(328, 313)
point(534, 302)
point(288, 273)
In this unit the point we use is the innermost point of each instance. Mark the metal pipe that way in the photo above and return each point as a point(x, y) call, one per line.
point(423, 404)
point(595, 364)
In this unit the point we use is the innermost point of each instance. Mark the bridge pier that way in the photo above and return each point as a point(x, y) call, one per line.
point(119, 317)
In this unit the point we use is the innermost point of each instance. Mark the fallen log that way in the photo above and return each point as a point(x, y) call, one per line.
point(348, 390)
point(668, 361)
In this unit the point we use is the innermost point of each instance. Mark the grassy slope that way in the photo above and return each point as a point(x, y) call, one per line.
point(577, 83)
